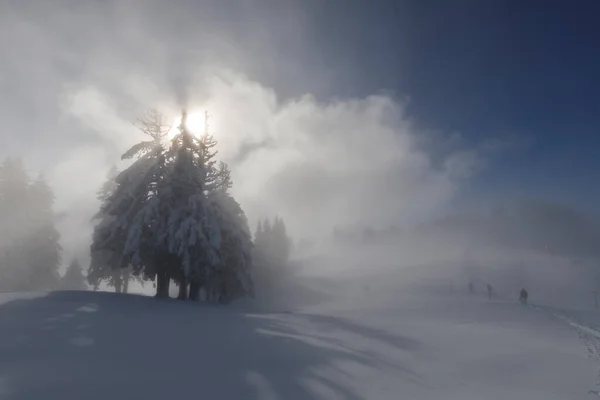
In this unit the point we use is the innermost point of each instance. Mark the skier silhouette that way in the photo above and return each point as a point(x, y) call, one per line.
point(523, 296)
point(471, 288)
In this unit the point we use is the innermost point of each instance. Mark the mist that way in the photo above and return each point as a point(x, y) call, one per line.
point(405, 206)
point(75, 77)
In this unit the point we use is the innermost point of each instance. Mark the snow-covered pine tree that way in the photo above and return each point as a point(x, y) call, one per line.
point(191, 233)
point(106, 265)
point(43, 247)
point(100, 268)
point(29, 248)
point(73, 278)
point(14, 182)
point(215, 175)
point(272, 248)
point(159, 218)
point(234, 278)
point(281, 245)
point(258, 234)
point(131, 217)
point(260, 241)
point(275, 249)
point(267, 229)
point(268, 242)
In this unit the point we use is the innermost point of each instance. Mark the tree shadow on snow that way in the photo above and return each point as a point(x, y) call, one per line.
point(88, 345)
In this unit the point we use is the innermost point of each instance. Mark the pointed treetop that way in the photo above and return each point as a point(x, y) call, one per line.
point(182, 125)
point(259, 230)
point(223, 178)
point(185, 137)
point(279, 226)
point(206, 124)
point(154, 125)
point(267, 225)
point(41, 187)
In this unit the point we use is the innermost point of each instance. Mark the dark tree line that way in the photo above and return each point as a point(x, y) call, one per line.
point(272, 248)
point(30, 250)
point(272, 243)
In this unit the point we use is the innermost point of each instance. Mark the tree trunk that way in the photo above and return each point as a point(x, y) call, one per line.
point(126, 277)
point(118, 288)
point(162, 284)
point(182, 289)
point(194, 291)
point(167, 284)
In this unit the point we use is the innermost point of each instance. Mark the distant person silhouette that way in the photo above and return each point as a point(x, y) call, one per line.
point(471, 287)
point(523, 296)
point(490, 291)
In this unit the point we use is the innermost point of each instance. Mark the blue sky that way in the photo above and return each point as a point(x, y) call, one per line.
point(481, 68)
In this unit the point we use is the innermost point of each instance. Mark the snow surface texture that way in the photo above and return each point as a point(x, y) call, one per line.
point(366, 342)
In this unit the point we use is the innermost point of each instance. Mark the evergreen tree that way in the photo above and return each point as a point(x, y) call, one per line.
point(108, 265)
point(267, 240)
point(214, 175)
point(43, 253)
point(258, 235)
point(272, 243)
point(267, 229)
point(130, 217)
point(29, 241)
point(73, 278)
point(280, 242)
point(272, 248)
point(14, 186)
point(191, 234)
point(170, 216)
point(222, 178)
point(109, 186)
point(233, 280)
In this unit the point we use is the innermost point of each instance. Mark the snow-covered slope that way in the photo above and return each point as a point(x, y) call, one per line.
point(370, 344)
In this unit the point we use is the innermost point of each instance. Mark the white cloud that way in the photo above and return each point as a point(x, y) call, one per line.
point(326, 164)
point(318, 164)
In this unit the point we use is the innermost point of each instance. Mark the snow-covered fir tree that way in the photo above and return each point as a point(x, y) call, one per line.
point(14, 183)
point(272, 247)
point(272, 243)
point(73, 278)
point(106, 265)
point(127, 232)
point(29, 241)
point(43, 254)
point(280, 242)
point(233, 280)
point(191, 233)
point(170, 215)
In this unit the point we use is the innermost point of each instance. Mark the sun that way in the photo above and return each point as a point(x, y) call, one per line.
point(195, 124)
